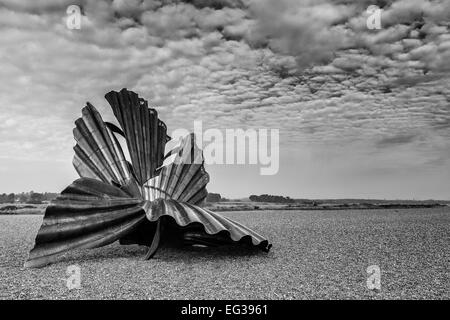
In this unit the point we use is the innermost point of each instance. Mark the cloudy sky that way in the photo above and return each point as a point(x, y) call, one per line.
point(361, 113)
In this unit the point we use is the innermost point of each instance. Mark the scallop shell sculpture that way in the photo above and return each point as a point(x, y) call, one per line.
point(158, 196)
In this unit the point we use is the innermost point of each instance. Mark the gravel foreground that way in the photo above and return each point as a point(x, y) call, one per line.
point(315, 255)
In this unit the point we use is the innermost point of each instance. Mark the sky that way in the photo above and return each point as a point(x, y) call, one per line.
point(361, 113)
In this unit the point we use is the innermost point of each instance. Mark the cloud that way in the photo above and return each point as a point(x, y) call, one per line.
point(397, 140)
point(307, 30)
point(309, 68)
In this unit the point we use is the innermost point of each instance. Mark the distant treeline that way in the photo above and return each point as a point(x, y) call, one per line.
point(27, 197)
point(271, 198)
point(213, 197)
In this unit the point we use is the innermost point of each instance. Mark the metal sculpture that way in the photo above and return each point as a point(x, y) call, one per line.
point(158, 194)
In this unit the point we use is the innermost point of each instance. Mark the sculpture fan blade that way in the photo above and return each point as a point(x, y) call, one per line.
point(144, 133)
point(182, 176)
point(214, 228)
point(88, 214)
point(115, 200)
point(98, 154)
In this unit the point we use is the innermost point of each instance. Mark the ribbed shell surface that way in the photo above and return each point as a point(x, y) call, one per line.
point(117, 200)
point(88, 214)
point(185, 214)
point(182, 176)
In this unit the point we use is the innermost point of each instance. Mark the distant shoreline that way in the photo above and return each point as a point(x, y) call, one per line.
point(329, 208)
point(27, 209)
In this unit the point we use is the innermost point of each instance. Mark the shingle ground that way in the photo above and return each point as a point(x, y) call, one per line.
point(315, 254)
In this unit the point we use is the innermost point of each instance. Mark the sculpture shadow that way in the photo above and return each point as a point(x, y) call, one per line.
point(168, 252)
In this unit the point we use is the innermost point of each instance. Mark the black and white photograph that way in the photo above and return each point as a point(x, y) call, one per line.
point(224, 153)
